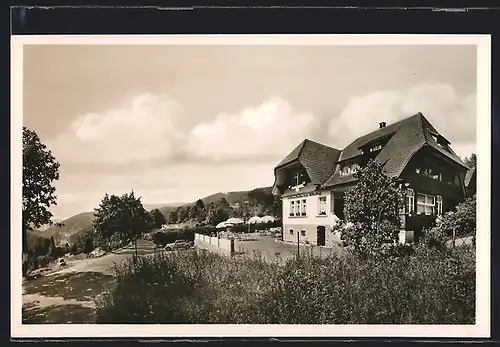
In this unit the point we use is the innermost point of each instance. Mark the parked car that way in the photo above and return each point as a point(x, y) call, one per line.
point(178, 244)
point(37, 273)
point(96, 253)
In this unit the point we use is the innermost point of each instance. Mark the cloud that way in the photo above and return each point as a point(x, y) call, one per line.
point(452, 114)
point(155, 128)
point(272, 128)
point(150, 126)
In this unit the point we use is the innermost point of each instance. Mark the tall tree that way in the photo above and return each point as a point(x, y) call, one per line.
point(276, 208)
point(172, 217)
point(471, 162)
point(223, 203)
point(182, 213)
point(40, 170)
point(199, 204)
point(157, 218)
point(372, 206)
point(124, 216)
point(216, 214)
point(243, 211)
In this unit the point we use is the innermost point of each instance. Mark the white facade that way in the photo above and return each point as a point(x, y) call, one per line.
point(313, 216)
point(318, 212)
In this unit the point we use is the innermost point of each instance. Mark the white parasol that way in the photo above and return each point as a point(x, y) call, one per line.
point(255, 220)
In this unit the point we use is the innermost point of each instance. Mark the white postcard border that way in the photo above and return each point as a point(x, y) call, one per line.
point(480, 329)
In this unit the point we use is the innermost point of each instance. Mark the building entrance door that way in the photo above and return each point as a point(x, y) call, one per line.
point(320, 236)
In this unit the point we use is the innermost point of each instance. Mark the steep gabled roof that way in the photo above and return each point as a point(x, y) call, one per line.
point(317, 159)
point(406, 137)
point(293, 155)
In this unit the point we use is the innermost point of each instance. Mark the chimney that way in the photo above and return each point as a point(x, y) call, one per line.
point(381, 125)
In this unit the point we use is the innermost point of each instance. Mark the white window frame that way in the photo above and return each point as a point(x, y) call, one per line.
point(303, 232)
point(292, 208)
point(296, 179)
point(298, 207)
point(439, 205)
point(410, 200)
point(426, 204)
point(322, 203)
point(375, 148)
point(303, 212)
point(291, 231)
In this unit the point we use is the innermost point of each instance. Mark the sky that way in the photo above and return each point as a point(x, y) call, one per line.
point(177, 123)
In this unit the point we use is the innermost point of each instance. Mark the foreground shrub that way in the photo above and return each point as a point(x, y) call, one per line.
point(421, 286)
point(462, 219)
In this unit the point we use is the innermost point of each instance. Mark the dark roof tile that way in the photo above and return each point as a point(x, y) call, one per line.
point(319, 160)
point(404, 139)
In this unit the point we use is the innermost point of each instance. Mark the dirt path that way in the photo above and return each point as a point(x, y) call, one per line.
point(67, 295)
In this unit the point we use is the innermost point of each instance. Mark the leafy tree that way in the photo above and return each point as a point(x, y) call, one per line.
point(40, 170)
point(200, 210)
point(37, 245)
point(372, 208)
point(157, 218)
point(223, 203)
point(182, 213)
point(199, 205)
point(192, 212)
point(243, 211)
point(462, 219)
point(172, 217)
point(259, 196)
point(277, 207)
point(471, 162)
point(216, 214)
point(124, 216)
point(136, 220)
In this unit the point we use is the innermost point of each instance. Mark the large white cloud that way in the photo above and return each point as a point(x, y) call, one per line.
point(272, 128)
point(150, 126)
point(452, 114)
point(155, 126)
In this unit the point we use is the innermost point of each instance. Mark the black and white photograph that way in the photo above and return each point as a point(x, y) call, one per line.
point(251, 185)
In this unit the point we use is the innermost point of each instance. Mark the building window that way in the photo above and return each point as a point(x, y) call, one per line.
point(303, 233)
point(375, 148)
point(410, 200)
point(429, 172)
point(298, 178)
point(304, 209)
point(297, 209)
point(291, 231)
point(292, 208)
point(439, 204)
point(322, 206)
point(425, 204)
point(355, 168)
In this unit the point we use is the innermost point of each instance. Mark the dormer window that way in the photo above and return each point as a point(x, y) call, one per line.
point(296, 178)
point(440, 140)
point(349, 169)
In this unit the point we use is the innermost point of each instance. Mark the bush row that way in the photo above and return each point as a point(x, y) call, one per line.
point(162, 238)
